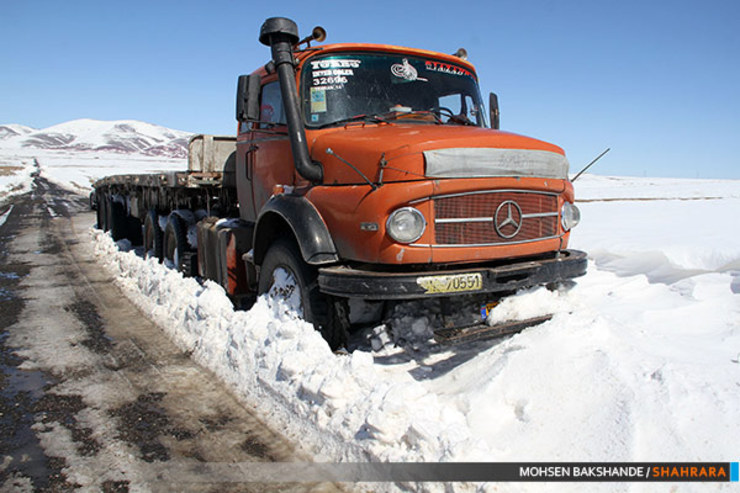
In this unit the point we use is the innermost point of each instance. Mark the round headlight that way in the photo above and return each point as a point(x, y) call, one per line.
point(406, 225)
point(570, 216)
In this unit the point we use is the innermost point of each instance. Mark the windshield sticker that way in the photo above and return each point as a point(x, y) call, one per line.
point(318, 100)
point(332, 63)
point(327, 82)
point(330, 75)
point(406, 71)
point(446, 68)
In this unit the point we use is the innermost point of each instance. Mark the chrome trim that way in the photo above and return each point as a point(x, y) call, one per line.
point(480, 245)
point(509, 220)
point(414, 211)
point(446, 220)
point(481, 192)
point(539, 214)
point(463, 220)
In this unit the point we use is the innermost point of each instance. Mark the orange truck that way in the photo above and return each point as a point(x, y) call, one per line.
point(372, 175)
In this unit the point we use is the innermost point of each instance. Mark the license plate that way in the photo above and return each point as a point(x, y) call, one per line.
point(456, 283)
point(485, 310)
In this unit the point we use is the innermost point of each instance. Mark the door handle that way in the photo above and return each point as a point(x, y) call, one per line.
point(250, 159)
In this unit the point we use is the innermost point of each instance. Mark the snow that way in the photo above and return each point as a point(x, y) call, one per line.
point(633, 366)
point(120, 137)
point(15, 176)
point(77, 171)
point(14, 130)
point(4, 215)
point(640, 361)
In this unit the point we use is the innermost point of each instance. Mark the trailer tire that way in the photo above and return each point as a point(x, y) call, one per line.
point(175, 246)
point(101, 213)
point(123, 226)
point(116, 219)
point(329, 315)
point(153, 235)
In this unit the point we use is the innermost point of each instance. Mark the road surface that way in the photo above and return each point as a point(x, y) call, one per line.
point(94, 395)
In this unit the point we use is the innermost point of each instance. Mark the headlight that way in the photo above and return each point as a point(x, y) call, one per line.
point(406, 225)
point(570, 216)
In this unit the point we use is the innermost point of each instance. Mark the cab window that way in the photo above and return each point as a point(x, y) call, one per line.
point(271, 108)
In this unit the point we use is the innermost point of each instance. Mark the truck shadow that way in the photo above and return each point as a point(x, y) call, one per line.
point(432, 360)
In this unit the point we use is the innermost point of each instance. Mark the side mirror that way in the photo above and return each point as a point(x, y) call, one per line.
point(248, 98)
point(493, 108)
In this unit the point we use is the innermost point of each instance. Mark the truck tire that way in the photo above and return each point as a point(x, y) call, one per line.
point(153, 236)
point(116, 213)
point(102, 214)
point(329, 315)
point(175, 246)
point(122, 226)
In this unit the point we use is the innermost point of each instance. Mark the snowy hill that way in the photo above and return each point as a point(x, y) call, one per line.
point(14, 130)
point(122, 136)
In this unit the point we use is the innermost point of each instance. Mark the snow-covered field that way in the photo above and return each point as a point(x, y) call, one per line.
point(77, 153)
point(641, 361)
point(77, 170)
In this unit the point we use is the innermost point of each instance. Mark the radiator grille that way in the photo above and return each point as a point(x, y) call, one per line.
point(469, 219)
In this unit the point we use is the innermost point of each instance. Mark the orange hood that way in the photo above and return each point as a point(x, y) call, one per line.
point(419, 151)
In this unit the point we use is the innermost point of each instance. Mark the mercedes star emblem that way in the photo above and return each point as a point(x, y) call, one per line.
point(508, 219)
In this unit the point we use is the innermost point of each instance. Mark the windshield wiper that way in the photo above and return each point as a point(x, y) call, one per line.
point(357, 118)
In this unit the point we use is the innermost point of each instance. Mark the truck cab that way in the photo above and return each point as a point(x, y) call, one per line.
point(366, 175)
point(379, 169)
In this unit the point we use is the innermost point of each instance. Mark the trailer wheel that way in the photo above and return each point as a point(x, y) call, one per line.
point(175, 245)
point(102, 214)
point(116, 219)
point(153, 235)
point(329, 315)
point(121, 225)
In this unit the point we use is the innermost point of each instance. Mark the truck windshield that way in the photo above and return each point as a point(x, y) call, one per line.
point(344, 87)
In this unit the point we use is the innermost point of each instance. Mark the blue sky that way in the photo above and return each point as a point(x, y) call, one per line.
point(655, 81)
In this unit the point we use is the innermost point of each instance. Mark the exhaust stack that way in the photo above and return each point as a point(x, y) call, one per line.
point(281, 34)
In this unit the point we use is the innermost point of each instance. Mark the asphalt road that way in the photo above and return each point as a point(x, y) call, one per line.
point(94, 396)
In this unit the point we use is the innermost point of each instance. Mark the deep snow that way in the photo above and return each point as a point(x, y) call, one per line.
point(641, 361)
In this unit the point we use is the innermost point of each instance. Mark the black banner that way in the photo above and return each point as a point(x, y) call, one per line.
point(447, 472)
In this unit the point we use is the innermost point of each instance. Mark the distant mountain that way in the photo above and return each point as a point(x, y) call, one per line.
point(14, 130)
point(122, 136)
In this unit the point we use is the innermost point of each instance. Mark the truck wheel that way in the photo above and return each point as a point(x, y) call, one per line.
point(102, 214)
point(153, 235)
point(329, 315)
point(116, 219)
point(122, 226)
point(175, 246)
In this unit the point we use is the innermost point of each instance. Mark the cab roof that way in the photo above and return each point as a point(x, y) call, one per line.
point(302, 55)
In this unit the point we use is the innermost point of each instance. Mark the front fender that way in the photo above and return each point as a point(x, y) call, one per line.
point(301, 218)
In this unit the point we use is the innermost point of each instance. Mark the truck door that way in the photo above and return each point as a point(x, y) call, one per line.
point(272, 159)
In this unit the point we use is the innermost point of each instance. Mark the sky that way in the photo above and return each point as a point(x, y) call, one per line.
point(655, 81)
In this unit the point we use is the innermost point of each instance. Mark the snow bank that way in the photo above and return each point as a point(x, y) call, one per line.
point(627, 369)
point(339, 405)
point(637, 363)
point(15, 176)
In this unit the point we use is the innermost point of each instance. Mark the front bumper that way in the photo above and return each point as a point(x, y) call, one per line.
point(348, 282)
